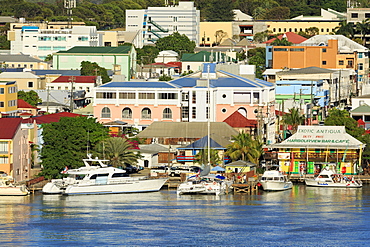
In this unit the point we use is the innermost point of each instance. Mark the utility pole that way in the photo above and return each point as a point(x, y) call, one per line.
point(71, 79)
point(47, 99)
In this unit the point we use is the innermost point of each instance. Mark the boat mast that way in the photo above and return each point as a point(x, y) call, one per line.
point(208, 99)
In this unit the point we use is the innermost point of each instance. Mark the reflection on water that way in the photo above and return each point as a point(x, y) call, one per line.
point(293, 217)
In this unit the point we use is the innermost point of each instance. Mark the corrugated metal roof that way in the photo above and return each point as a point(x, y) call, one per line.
point(17, 75)
point(361, 109)
point(98, 50)
point(186, 130)
point(9, 127)
point(308, 70)
point(139, 84)
point(23, 104)
point(19, 59)
point(76, 79)
point(216, 142)
point(57, 72)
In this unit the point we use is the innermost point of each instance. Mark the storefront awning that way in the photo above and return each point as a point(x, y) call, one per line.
point(320, 137)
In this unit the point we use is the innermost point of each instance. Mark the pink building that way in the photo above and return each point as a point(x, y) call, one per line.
point(205, 94)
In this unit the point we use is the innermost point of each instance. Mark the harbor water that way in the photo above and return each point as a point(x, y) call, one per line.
point(302, 216)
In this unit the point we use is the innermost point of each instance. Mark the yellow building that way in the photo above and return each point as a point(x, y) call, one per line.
point(207, 32)
point(22, 61)
point(313, 147)
point(8, 98)
point(25, 80)
point(324, 26)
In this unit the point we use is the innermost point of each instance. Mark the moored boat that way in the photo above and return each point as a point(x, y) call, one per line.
point(329, 178)
point(274, 180)
point(7, 187)
point(101, 179)
point(209, 184)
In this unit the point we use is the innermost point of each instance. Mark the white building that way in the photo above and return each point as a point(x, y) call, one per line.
point(32, 40)
point(159, 22)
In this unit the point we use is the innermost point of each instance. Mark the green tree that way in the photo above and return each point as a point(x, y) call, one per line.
point(277, 13)
point(165, 78)
point(66, 143)
point(202, 157)
point(262, 36)
point(31, 97)
point(93, 69)
point(281, 42)
point(363, 29)
point(244, 147)
point(4, 43)
point(342, 118)
point(147, 54)
point(119, 150)
point(345, 28)
point(48, 58)
point(219, 10)
point(176, 42)
point(257, 57)
point(293, 118)
point(312, 31)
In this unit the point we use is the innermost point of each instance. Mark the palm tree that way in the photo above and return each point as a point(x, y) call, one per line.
point(202, 157)
point(346, 29)
point(363, 28)
point(118, 150)
point(244, 148)
point(293, 118)
point(281, 42)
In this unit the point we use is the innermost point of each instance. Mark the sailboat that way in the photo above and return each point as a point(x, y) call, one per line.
point(205, 183)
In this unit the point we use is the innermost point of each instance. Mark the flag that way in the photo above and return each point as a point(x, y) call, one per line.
point(65, 170)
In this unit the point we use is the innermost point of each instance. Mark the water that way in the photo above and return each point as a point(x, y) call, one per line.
point(298, 217)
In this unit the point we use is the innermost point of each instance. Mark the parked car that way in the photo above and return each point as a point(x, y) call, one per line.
point(131, 169)
point(161, 169)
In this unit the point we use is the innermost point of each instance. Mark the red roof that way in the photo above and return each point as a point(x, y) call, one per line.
point(168, 65)
point(9, 127)
point(237, 120)
point(290, 36)
point(23, 104)
point(50, 118)
point(76, 79)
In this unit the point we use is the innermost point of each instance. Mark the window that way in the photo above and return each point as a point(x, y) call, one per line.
point(126, 95)
point(1, 90)
point(194, 112)
point(127, 113)
point(280, 49)
point(4, 160)
point(323, 62)
point(1, 103)
point(146, 113)
point(146, 95)
point(185, 112)
point(341, 62)
point(194, 97)
point(167, 95)
point(360, 66)
point(354, 15)
point(207, 97)
point(323, 49)
point(105, 95)
point(167, 113)
point(105, 112)
point(360, 55)
point(207, 112)
point(30, 84)
point(3, 147)
point(296, 49)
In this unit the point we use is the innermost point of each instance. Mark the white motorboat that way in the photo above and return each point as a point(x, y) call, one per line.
point(329, 178)
point(101, 179)
point(209, 184)
point(7, 188)
point(274, 180)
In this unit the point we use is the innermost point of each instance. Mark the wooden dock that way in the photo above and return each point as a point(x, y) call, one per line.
point(248, 188)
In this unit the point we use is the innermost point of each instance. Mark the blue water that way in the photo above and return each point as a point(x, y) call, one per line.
point(298, 217)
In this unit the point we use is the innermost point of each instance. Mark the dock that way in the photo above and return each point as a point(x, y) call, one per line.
point(249, 188)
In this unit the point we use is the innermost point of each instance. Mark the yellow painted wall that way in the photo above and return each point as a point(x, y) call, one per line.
point(8, 96)
point(207, 30)
point(292, 26)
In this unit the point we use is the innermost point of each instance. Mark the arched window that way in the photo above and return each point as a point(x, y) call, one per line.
point(126, 113)
point(167, 113)
point(146, 113)
point(242, 111)
point(105, 112)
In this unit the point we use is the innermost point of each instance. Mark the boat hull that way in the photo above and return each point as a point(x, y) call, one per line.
point(136, 186)
point(13, 191)
point(276, 186)
point(315, 183)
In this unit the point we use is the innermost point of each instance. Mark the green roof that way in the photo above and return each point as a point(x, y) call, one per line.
point(98, 50)
point(361, 109)
point(204, 56)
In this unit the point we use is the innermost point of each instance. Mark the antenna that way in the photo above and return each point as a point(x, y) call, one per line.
point(69, 4)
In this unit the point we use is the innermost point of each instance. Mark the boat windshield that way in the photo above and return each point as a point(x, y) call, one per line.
point(80, 176)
